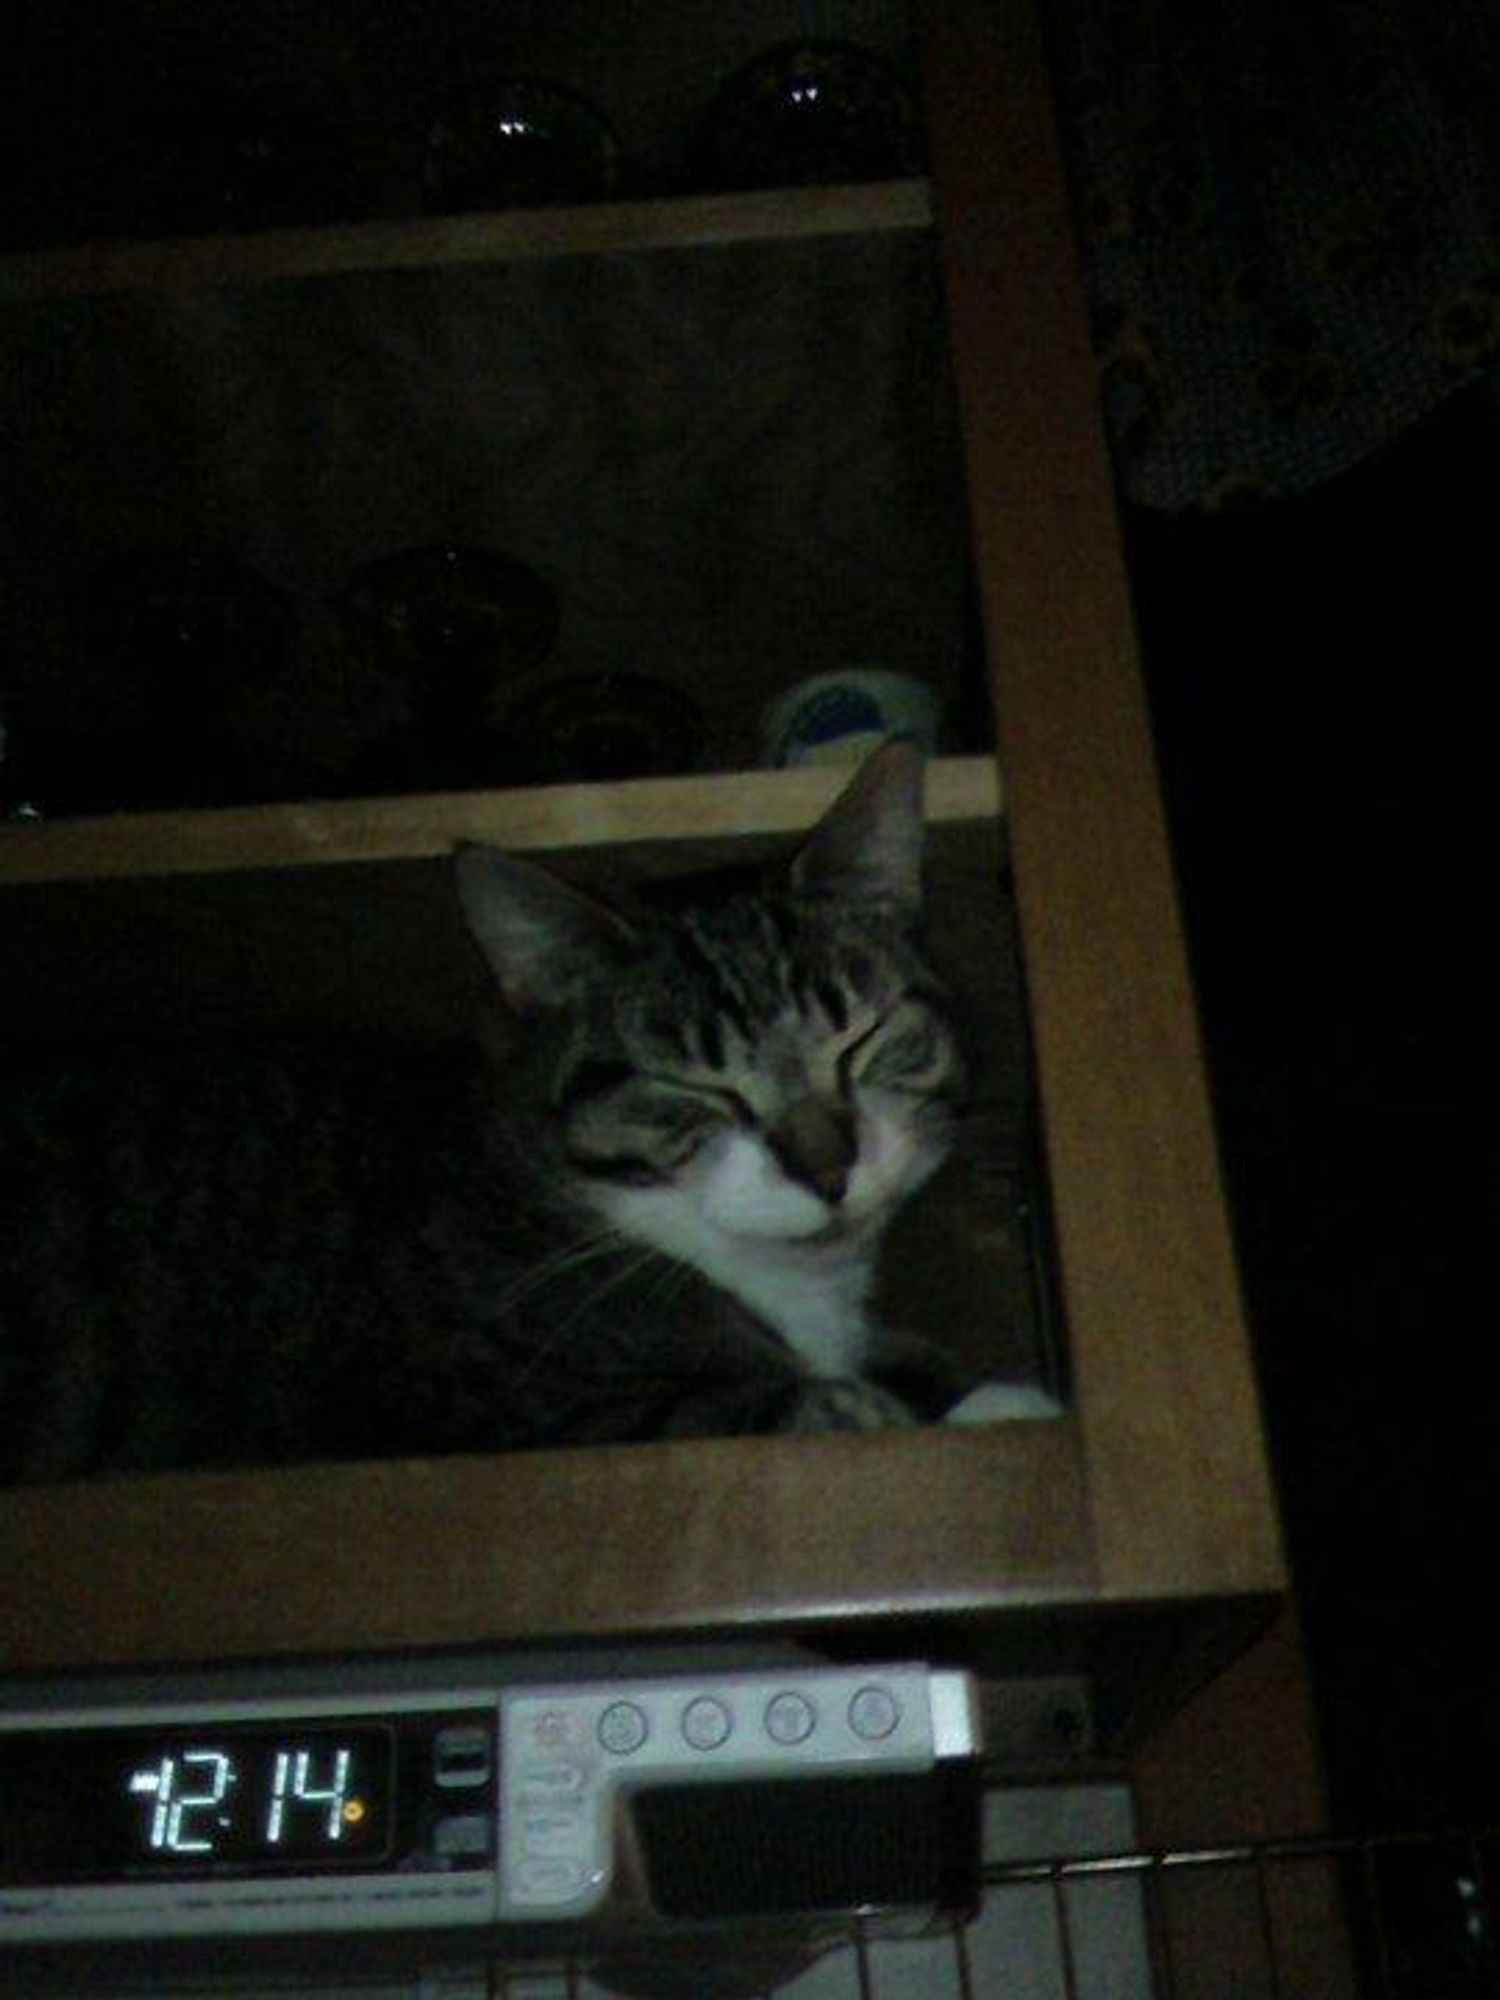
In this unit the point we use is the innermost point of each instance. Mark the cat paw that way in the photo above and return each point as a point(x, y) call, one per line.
point(921, 1372)
point(851, 1405)
point(1004, 1403)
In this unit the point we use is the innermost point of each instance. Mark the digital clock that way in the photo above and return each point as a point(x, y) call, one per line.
point(346, 1814)
point(98, 1804)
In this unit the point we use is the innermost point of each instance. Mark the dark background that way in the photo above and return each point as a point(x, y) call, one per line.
point(1319, 668)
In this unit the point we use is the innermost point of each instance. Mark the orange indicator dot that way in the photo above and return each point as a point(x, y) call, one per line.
point(354, 1811)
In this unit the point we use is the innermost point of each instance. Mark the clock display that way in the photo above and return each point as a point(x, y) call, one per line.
point(97, 1804)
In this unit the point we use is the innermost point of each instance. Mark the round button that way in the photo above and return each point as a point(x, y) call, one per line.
point(790, 1718)
point(622, 1728)
point(874, 1713)
point(706, 1723)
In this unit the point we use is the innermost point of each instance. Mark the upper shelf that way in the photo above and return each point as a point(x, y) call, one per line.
point(603, 228)
point(704, 807)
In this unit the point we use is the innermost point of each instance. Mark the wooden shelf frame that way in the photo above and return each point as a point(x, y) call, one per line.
point(1179, 1484)
point(1135, 1536)
point(680, 222)
point(727, 1536)
point(328, 833)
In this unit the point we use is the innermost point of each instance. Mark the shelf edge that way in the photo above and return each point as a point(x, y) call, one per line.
point(416, 242)
point(341, 831)
point(668, 1538)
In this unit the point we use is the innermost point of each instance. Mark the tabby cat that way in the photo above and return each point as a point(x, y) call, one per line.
point(656, 1213)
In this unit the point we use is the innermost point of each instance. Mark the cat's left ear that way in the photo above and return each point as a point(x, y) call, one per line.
point(867, 848)
point(540, 935)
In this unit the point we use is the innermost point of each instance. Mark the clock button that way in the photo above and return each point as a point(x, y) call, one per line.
point(461, 1757)
point(874, 1714)
point(622, 1728)
point(706, 1723)
point(790, 1718)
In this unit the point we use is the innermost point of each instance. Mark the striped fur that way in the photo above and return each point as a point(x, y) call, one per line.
point(752, 1086)
point(658, 1214)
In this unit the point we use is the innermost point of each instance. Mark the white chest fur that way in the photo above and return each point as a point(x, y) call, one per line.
point(813, 1293)
point(814, 1296)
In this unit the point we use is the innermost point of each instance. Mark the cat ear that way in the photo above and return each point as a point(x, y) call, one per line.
point(867, 848)
point(540, 935)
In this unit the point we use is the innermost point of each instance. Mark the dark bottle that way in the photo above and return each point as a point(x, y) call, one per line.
point(518, 142)
point(811, 112)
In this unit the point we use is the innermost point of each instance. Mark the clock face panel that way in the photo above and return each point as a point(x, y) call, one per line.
point(283, 1796)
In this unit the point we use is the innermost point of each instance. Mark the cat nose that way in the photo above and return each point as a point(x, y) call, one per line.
point(814, 1144)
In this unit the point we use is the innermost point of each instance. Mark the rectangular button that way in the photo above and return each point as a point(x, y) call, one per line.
point(462, 1757)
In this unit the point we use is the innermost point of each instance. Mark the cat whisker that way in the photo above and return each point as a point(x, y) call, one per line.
point(630, 1267)
point(564, 1263)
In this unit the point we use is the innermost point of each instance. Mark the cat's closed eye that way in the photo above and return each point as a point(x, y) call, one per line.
point(638, 1128)
point(907, 1049)
point(590, 1081)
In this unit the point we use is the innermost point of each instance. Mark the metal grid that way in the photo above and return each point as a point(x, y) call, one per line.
point(1411, 1917)
point(1400, 1917)
point(1380, 1917)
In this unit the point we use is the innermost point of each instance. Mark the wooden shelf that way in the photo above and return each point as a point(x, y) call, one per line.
point(749, 1533)
point(1135, 1538)
point(986, 1556)
point(398, 829)
point(602, 229)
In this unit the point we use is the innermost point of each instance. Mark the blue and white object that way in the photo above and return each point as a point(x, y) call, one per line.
point(839, 718)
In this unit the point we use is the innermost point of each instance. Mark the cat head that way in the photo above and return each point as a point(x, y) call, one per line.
point(761, 1068)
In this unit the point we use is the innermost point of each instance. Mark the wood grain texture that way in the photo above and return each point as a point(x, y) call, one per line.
point(739, 1535)
point(1162, 1371)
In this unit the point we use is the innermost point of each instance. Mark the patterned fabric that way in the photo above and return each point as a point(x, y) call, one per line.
point(1291, 221)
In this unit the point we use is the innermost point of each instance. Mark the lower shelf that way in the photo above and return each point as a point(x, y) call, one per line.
point(641, 1539)
point(972, 1544)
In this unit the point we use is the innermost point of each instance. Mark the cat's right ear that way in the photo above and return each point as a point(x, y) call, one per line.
point(540, 935)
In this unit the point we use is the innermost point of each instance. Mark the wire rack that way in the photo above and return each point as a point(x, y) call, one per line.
point(1408, 1917)
point(1380, 1917)
point(1391, 1917)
